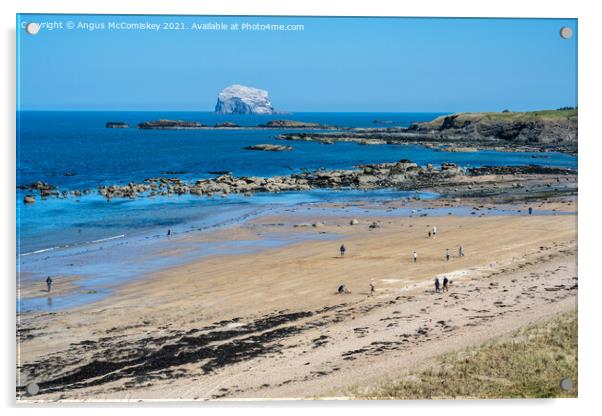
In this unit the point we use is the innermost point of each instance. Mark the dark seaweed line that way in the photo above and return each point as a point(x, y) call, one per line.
point(188, 349)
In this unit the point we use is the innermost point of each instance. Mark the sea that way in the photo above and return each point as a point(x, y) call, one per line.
point(96, 240)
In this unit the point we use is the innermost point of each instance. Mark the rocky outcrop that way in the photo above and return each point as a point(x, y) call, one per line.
point(169, 125)
point(292, 124)
point(269, 147)
point(554, 130)
point(537, 127)
point(401, 175)
point(227, 124)
point(116, 125)
point(519, 170)
point(239, 99)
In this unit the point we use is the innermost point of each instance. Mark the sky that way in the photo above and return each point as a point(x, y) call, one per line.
point(333, 64)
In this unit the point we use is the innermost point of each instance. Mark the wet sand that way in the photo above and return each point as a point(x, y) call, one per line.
point(270, 324)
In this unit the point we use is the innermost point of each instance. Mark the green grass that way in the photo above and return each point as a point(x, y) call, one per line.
point(530, 364)
point(542, 115)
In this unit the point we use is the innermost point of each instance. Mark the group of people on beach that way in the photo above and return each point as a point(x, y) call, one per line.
point(441, 285)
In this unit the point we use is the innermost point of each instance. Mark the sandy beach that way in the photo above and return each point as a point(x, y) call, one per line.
point(270, 324)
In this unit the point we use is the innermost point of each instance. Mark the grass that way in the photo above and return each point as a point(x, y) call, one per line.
point(542, 115)
point(530, 364)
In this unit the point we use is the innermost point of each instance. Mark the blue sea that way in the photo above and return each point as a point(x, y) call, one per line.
point(92, 238)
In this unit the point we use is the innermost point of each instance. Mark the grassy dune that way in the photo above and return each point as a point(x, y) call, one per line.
point(530, 363)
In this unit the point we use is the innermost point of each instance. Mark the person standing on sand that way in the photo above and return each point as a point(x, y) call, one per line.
point(415, 256)
point(447, 254)
point(445, 283)
point(434, 231)
point(461, 251)
point(49, 283)
point(372, 287)
point(343, 249)
point(437, 285)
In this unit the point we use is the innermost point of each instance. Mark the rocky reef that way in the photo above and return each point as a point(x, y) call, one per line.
point(116, 125)
point(269, 147)
point(227, 124)
point(169, 125)
point(402, 175)
point(240, 99)
point(292, 124)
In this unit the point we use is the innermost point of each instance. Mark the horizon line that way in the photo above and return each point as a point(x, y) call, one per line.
point(284, 113)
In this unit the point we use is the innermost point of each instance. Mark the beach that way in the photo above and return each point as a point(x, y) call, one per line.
point(186, 266)
point(313, 217)
point(270, 324)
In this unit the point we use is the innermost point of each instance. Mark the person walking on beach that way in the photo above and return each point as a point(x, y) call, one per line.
point(343, 249)
point(437, 285)
point(447, 254)
point(49, 283)
point(461, 250)
point(434, 231)
point(530, 210)
point(445, 283)
point(372, 287)
point(415, 256)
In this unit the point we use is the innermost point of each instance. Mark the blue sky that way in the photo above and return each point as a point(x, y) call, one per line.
point(334, 64)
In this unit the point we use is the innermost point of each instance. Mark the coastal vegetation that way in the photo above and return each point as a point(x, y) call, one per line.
point(528, 364)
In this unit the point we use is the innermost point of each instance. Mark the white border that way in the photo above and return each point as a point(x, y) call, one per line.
point(590, 28)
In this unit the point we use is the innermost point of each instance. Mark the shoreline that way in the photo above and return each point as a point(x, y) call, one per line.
point(292, 219)
point(276, 304)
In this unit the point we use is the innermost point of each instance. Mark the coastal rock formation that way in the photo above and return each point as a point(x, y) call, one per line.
point(239, 99)
point(227, 124)
point(543, 127)
point(269, 147)
point(169, 125)
point(292, 124)
point(116, 125)
point(553, 130)
point(401, 175)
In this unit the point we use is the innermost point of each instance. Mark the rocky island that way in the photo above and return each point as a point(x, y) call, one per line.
point(269, 147)
point(169, 125)
point(116, 125)
point(293, 124)
point(240, 99)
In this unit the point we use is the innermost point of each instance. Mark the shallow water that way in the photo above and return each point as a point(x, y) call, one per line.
point(106, 264)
